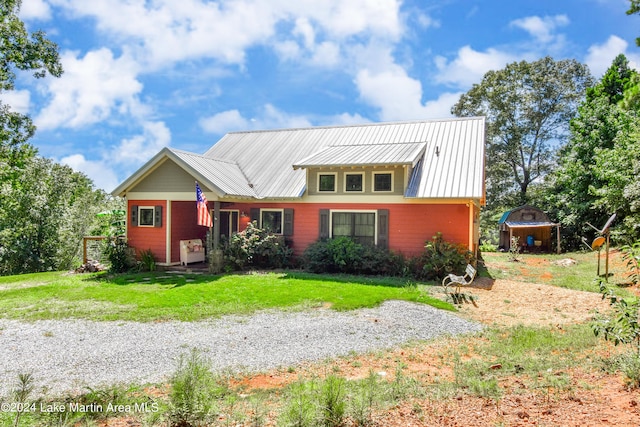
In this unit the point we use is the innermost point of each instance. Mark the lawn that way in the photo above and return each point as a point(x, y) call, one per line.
point(162, 296)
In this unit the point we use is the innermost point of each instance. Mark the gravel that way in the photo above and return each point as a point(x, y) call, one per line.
point(67, 356)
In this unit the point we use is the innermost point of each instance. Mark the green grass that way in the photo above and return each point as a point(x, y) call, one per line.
point(187, 297)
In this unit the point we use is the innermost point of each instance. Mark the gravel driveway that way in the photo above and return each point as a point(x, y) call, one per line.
point(69, 355)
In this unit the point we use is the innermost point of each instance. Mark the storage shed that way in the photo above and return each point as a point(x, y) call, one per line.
point(532, 226)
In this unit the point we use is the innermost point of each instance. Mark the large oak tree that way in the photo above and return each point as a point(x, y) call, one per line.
point(528, 106)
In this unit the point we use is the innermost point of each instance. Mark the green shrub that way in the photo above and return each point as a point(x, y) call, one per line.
point(441, 258)
point(258, 248)
point(119, 254)
point(343, 255)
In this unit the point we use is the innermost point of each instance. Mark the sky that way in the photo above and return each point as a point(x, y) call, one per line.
point(141, 75)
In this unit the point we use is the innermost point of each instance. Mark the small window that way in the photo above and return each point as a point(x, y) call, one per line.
point(382, 181)
point(271, 220)
point(354, 182)
point(327, 183)
point(146, 217)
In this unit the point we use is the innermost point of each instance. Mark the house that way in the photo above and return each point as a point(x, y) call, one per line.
point(393, 185)
point(532, 227)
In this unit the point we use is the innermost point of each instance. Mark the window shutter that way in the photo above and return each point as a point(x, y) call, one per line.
point(383, 228)
point(157, 217)
point(324, 224)
point(288, 222)
point(134, 216)
point(254, 215)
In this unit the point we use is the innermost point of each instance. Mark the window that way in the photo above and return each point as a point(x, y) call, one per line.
point(359, 226)
point(327, 182)
point(353, 182)
point(146, 216)
point(382, 181)
point(271, 220)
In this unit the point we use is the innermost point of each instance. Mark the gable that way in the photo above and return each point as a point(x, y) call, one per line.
point(166, 177)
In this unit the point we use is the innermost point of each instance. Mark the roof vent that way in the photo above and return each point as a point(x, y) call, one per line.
point(437, 151)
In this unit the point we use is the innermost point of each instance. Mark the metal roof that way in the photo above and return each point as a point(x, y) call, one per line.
point(530, 224)
point(447, 155)
point(365, 155)
point(226, 176)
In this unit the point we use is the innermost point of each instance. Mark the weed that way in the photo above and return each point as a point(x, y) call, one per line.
point(364, 401)
point(194, 391)
point(332, 401)
point(300, 410)
point(147, 260)
point(21, 394)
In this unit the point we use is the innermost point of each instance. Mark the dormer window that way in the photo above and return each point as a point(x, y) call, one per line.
point(382, 181)
point(327, 183)
point(354, 182)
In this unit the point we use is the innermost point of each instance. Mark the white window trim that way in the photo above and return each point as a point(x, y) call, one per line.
point(375, 224)
point(281, 210)
point(373, 182)
point(345, 182)
point(335, 182)
point(153, 209)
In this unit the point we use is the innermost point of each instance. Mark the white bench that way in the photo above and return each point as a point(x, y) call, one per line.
point(191, 251)
point(456, 281)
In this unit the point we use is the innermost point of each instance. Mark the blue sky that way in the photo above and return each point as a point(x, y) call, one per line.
point(144, 74)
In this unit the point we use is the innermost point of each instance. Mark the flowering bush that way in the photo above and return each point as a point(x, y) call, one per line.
point(255, 247)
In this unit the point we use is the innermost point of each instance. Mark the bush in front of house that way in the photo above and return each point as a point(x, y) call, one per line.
point(257, 248)
point(441, 258)
point(343, 255)
point(120, 254)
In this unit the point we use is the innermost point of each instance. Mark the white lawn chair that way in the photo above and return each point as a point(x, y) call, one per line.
point(456, 281)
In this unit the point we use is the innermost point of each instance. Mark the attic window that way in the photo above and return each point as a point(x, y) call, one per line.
point(354, 182)
point(382, 181)
point(327, 182)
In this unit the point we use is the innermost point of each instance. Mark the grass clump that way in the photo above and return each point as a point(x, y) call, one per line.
point(194, 392)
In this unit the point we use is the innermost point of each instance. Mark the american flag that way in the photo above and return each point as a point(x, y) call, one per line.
point(204, 218)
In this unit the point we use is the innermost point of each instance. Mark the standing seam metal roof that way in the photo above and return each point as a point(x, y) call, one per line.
point(447, 155)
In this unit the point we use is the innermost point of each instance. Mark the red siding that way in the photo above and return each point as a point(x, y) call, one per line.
point(143, 238)
point(184, 226)
point(410, 225)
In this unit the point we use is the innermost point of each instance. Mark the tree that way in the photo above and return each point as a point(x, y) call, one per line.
point(20, 51)
point(528, 106)
point(595, 176)
point(634, 8)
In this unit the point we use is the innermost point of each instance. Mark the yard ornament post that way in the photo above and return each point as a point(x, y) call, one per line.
point(603, 239)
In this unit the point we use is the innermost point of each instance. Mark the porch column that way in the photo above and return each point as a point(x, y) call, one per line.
point(168, 235)
point(216, 225)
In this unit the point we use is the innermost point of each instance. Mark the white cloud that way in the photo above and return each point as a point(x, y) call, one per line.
point(35, 9)
point(99, 171)
point(224, 122)
point(18, 100)
point(542, 29)
point(166, 31)
point(269, 118)
point(470, 66)
point(140, 148)
point(601, 56)
point(90, 90)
